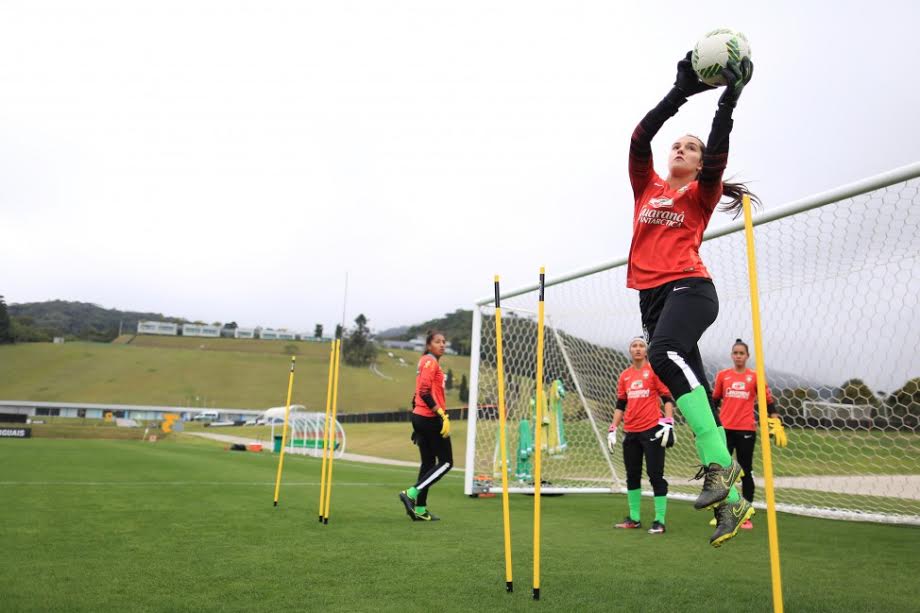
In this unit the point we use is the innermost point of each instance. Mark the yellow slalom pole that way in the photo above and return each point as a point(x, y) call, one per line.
point(287, 415)
point(322, 480)
point(506, 517)
point(335, 399)
point(538, 444)
point(772, 534)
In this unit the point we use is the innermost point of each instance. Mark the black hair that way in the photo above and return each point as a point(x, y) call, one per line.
point(429, 336)
point(737, 342)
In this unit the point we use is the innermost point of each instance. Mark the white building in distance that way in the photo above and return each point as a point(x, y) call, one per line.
point(157, 327)
point(200, 330)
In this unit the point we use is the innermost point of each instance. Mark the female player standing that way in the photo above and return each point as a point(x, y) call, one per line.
point(430, 428)
point(736, 390)
point(677, 298)
point(639, 397)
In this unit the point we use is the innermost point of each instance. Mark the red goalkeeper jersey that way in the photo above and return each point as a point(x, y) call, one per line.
point(668, 228)
point(642, 391)
point(429, 383)
point(738, 393)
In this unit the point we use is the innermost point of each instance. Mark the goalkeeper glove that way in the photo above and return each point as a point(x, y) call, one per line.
point(611, 440)
point(688, 82)
point(777, 431)
point(445, 423)
point(666, 432)
point(736, 75)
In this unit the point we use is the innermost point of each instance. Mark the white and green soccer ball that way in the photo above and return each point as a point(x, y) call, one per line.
point(713, 51)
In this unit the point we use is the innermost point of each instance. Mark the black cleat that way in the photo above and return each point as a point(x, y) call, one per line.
point(408, 503)
point(731, 517)
point(717, 482)
point(426, 516)
point(628, 524)
point(657, 528)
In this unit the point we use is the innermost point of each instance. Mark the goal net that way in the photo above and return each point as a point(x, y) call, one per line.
point(839, 293)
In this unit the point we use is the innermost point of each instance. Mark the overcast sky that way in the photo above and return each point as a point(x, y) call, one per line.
point(232, 160)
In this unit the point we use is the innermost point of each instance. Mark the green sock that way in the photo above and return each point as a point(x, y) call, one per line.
point(635, 503)
point(700, 451)
point(661, 507)
point(412, 492)
point(696, 410)
point(420, 510)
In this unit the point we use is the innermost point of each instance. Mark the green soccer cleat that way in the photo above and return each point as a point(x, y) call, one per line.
point(717, 483)
point(408, 503)
point(731, 516)
point(426, 516)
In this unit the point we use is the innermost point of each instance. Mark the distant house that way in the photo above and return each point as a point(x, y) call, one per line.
point(200, 330)
point(268, 334)
point(157, 327)
point(245, 333)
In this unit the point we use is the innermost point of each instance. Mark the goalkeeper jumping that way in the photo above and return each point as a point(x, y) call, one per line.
point(639, 397)
point(430, 428)
point(677, 297)
point(736, 390)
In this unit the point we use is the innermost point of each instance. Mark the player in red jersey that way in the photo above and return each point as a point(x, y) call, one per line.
point(677, 298)
point(430, 428)
point(639, 397)
point(736, 390)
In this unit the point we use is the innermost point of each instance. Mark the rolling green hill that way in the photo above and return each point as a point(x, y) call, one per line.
point(183, 371)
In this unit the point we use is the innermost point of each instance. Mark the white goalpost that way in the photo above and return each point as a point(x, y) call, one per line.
point(839, 294)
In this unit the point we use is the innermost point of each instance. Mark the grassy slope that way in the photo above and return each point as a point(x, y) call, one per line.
point(219, 372)
point(125, 525)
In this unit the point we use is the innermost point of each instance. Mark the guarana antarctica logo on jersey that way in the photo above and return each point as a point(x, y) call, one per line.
point(659, 212)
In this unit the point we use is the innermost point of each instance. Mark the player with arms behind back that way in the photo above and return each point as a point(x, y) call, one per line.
point(735, 390)
point(677, 298)
point(430, 428)
point(639, 397)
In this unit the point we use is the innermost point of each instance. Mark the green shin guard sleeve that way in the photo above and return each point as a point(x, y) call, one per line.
point(695, 408)
point(635, 503)
point(661, 508)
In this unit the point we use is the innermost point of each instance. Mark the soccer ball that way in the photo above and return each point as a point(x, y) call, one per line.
point(714, 50)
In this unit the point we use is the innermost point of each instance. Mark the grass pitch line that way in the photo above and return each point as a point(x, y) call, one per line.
point(185, 483)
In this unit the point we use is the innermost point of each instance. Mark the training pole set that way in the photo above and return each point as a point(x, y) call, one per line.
point(506, 518)
point(325, 493)
point(773, 537)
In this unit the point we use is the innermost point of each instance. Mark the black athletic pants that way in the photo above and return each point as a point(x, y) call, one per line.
point(436, 452)
point(635, 446)
point(741, 443)
point(674, 317)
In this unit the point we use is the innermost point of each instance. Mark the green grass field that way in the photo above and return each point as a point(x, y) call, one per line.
point(177, 371)
point(99, 525)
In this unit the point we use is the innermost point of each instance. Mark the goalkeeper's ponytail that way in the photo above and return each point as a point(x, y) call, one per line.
point(736, 191)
